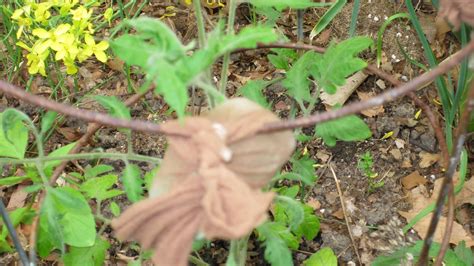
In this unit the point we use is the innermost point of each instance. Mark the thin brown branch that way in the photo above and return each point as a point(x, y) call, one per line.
point(448, 227)
point(385, 97)
point(448, 179)
point(343, 206)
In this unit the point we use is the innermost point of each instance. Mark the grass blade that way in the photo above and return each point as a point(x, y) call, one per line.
point(382, 30)
point(327, 18)
point(354, 16)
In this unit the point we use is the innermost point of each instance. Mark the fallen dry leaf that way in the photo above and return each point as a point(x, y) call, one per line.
point(339, 214)
point(18, 198)
point(467, 193)
point(372, 111)
point(420, 202)
point(428, 159)
point(69, 133)
point(413, 180)
point(314, 203)
point(344, 92)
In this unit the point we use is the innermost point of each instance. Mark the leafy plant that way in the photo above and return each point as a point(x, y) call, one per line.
point(365, 164)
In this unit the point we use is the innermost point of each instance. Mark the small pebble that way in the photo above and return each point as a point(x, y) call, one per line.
point(376, 18)
point(369, 16)
point(398, 34)
point(405, 78)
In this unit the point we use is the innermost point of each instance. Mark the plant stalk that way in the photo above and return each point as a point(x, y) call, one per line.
point(230, 30)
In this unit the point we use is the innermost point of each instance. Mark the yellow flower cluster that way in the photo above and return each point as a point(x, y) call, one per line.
point(62, 27)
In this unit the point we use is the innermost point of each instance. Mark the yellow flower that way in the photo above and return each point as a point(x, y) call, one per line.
point(42, 13)
point(60, 40)
point(22, 21)
point(70, 66)
point(81, 13)
point(108, 14)
point(169, 12)
point(36, 57)
point(91, 47)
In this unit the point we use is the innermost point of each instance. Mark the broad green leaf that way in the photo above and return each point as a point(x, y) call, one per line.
point(297, 78)
point(47, 121)
point(171, 86)
point(399, 256)
point(309, 228)
point(324, 21)
point(253, 90)
point(98, 187)
point(133, 50)
point(282, 58)
point(276, 238)
point(294, 177)
point(132, 182)
point(97, 170)
point(464, 253)
point(304, 167)
point(282, 4)
point(12, 180)
point(324, 257)
point(114, 208)
point(64, 150)
point(289, 211)
point(338, 62)
point(114, 106)
point(50, 235)
point(13, 140)
point(87, 256)
point(348, 128)
point(73, 215)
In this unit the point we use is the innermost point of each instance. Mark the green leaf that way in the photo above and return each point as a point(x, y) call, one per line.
point(47, 121)
point(12, 180)
point(304, 167)
point(324, 21)
point(348, 128)
point(149, 177)
point(98, 187)
point(69, 218)
point(132, 182)
point(464, 253)
point(50, 235)
point(170, 84)
point(87, 256)
point(282, 4)
point(294, 177)
point(399, 256)
point(324, 257)
point(17, 216)
point(282, 58)
point(97, 170)
point(291, 192)
point(309, 228)
point(114, 208)
point(13, 140)
point(276, 238)
point(160, 33)
point(114, 106)
point(290, 211)
point(338, 62)
point(297, 78)
point(64, 150)
point(133, 50)
point(253, 90)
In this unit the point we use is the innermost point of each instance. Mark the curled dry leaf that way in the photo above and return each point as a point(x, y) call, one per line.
point(428, 159)
point(457, 11)
point(374, 111)
point(344, 92)
point(209, 182)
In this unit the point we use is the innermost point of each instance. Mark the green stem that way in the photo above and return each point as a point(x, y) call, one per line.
point(230, 30)
point(83, 156)
point(200, 23)
point(196, 260)
point(238, 251)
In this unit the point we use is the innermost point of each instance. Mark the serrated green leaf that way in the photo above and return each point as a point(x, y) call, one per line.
point(348, 128)
point(114, 208)
point(13, 140)
point(97, 170)
point(277, 238)
point(133, 50)
point(290, 211)
point(12, 180)
point(338, 62)
point(282, 58)
point(309, 228)
point(464, 253)
point(47, 121)
point(132, 182)
point(304, 166)
point(171, 86)
point(294, 177)
point(324, 257)
point(253, 90)
point(324, 21)
point(297, 78)
point(149, 177)
point(50, 165)
point(98, 187)
point(66, 218)
point(87, 256)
